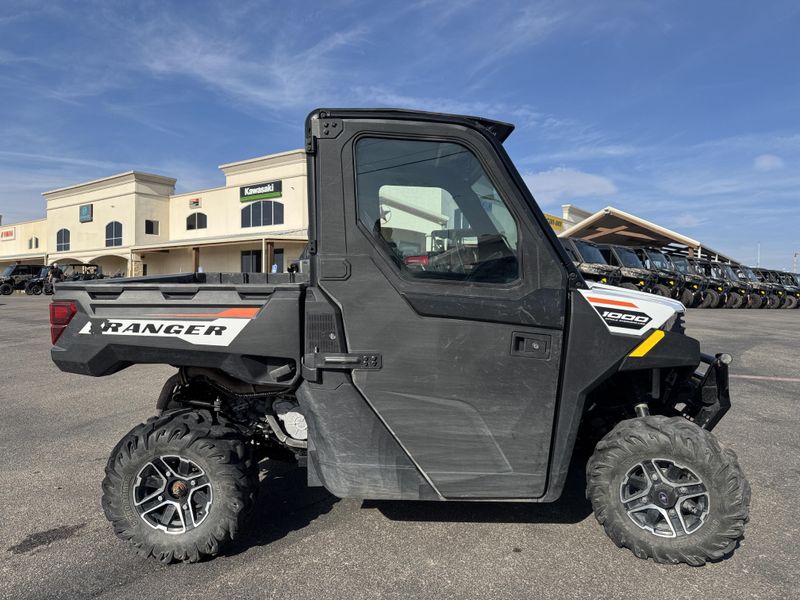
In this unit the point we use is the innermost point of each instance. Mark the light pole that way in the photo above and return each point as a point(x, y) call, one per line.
point(794, 261)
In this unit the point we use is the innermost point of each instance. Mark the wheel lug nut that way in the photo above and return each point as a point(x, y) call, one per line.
point(672, 511)
point(194, 483)
point(160, 498)
point(185, 507)
point(654, 477)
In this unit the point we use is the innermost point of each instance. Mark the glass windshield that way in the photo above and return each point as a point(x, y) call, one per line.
point(659, 260)
point(681, 264)
point(589, 252)
point(747, 273)
point(628, 258)
point(8, 271)
point(728, 271)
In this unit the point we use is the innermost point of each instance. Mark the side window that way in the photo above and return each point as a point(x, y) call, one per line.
point(114, 234)
point(151, 227)
point(433, 208)
point(196, 220)
point(62, 240)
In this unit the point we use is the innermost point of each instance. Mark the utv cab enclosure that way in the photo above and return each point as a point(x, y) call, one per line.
point(468, 381)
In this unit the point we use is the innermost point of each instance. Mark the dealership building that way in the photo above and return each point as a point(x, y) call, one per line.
point(134, 223)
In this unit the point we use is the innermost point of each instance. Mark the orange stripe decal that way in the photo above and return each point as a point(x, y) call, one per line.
point(611, 302)
point(241, 313)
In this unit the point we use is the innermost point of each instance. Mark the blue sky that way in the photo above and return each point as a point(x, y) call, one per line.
point(686, 113)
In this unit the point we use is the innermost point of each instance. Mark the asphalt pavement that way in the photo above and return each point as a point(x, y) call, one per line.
point(57, 429)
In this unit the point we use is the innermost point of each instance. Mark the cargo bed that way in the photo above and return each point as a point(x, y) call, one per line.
point(245, 324)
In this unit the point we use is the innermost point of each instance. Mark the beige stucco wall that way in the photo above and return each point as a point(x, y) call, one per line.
point(132, 198)
point(16, 249)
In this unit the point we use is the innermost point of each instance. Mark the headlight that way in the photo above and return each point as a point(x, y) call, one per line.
point(604, 280)
point(641, 282)
point(719, 288)
point(671, 282)
point(694, 286)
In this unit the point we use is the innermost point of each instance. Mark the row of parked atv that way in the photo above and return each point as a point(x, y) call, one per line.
point(36, 279)
point(696, 282)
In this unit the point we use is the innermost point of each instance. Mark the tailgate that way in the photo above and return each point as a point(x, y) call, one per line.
point(250, 331)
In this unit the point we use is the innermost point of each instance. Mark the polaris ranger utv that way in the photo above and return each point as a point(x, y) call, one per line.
point(716, 295)
point(669, 283)
point(759, 292)
point(777, 293)
point(633, 274)
point(391, 382)
point(590, 262)
point(792, 287)
point(15, 277)
point(694, 284)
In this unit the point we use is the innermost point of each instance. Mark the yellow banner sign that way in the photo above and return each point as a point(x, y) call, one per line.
point(556, 223)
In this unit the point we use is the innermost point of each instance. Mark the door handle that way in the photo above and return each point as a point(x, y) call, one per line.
point(531, 345)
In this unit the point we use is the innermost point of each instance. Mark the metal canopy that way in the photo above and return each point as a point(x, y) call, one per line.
point(613, 226)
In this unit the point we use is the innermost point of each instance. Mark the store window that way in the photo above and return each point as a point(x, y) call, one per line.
point(62, 240)
point(196, 220)
point(262, 213)
point(251, 261)
point(114, 234)
point(151, 227)
point(33, 243)
point(433, 209)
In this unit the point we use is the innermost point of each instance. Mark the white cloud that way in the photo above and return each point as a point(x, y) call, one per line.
point(688, 220)
point(767, 162)
point(564, 183)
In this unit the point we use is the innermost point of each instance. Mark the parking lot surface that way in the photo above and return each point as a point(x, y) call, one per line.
point(57, 430)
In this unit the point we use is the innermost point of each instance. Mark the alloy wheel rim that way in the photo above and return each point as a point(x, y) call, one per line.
point(665, 498)
point(172, 494)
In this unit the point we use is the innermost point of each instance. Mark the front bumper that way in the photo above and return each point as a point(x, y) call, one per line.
point(711, 396)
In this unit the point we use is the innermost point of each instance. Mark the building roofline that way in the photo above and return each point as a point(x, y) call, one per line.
point(111, 180)
point(268, 160)
point(28, 222)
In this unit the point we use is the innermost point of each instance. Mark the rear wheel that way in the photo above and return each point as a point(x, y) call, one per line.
point(6, 289)
point(179, 486)
point(665, 489)
point(661, 290)
point(34, 289)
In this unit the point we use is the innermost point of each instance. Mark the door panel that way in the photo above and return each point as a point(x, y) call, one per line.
point(470, 348)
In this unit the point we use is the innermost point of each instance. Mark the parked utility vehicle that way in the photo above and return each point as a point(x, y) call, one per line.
point(590, 261)
point(633, 274)
point(393, 382)
point(15, 277)
point(669, 282)
point(693, 284)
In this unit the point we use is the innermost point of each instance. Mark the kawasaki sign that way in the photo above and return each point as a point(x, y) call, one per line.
point(261, 191)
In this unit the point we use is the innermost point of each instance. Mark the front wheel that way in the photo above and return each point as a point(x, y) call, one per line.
point(734, 300)
point(687, 298)
point(665, 489)
point(790, 302)
point(773, 301)
point(179, 486)
point(755, 301)
point(711, 299)
point(34, 289)
point(660, 289)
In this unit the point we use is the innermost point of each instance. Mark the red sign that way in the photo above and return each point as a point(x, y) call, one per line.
point(7, 234)
point(194, 202)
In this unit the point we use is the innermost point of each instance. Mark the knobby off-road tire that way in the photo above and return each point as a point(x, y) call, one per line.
point(188, 442)
point(693, 455)
point(773, 301)
point(687, 298)
point(35, 289)
point(755, 301)
point(790, 302)
point(660, 289)
point(710, 300)
point(6, 289)
point(734, 300)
